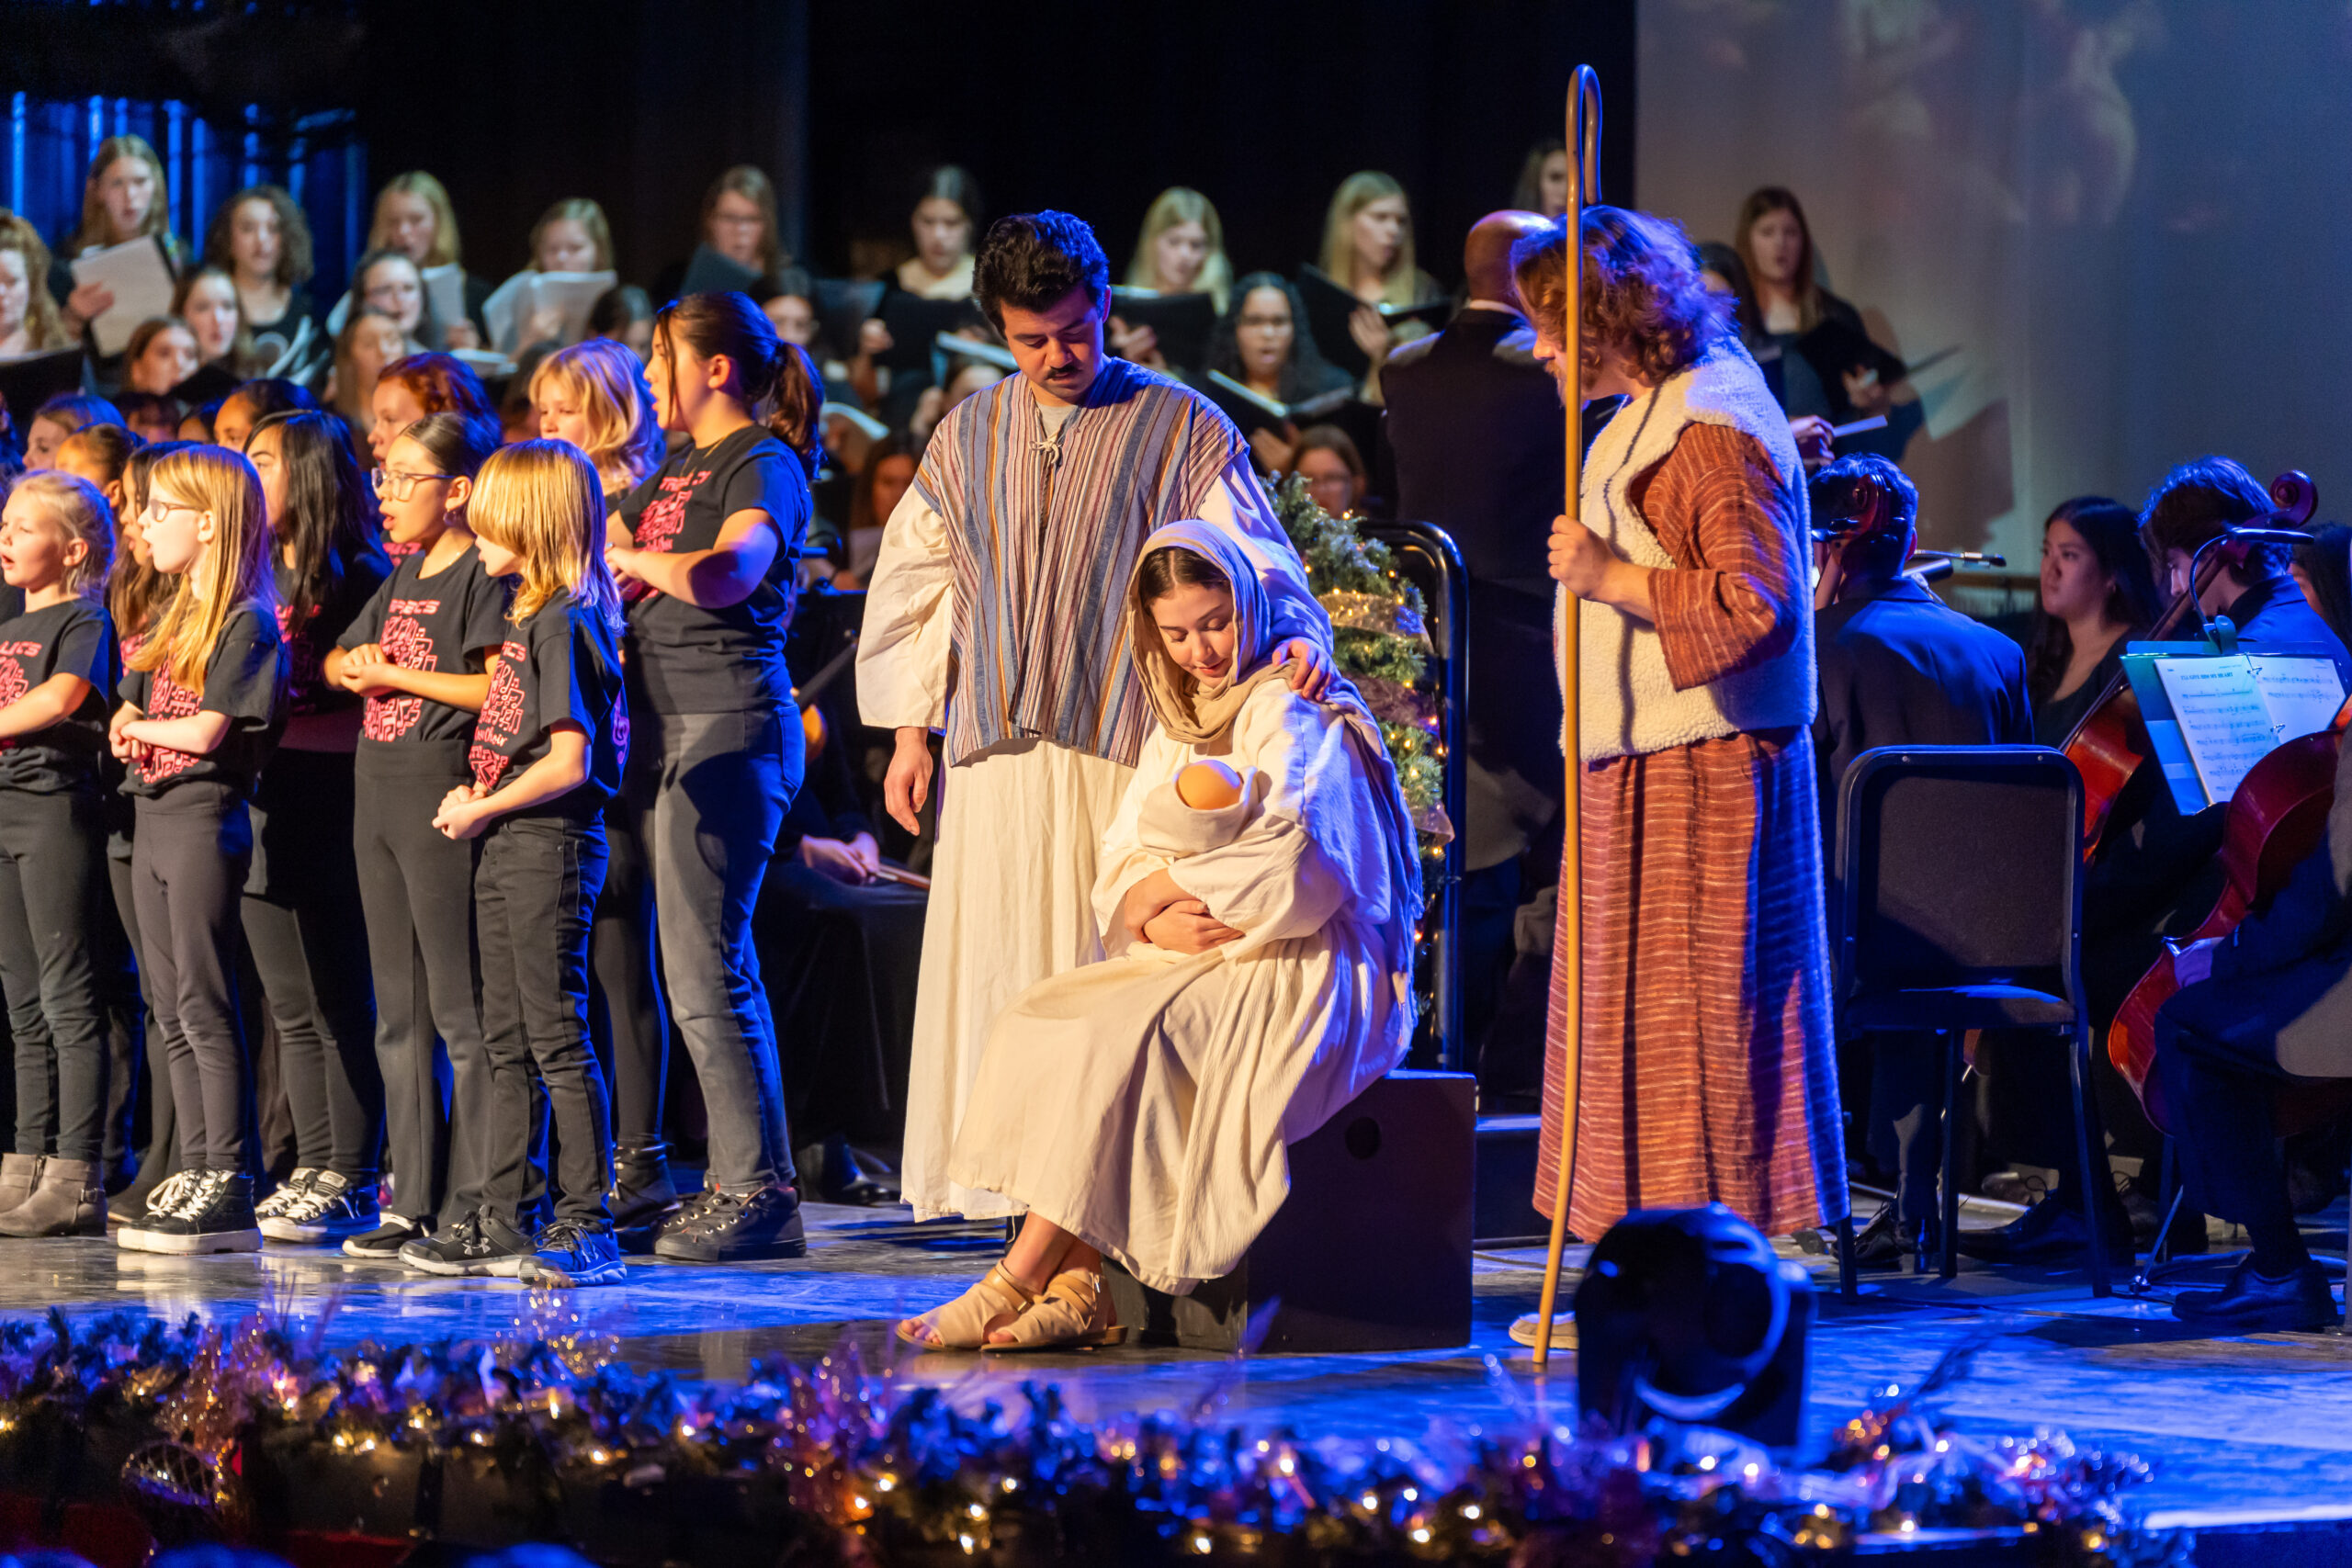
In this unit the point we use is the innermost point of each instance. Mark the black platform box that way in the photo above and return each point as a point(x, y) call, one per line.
point(1370, 1252)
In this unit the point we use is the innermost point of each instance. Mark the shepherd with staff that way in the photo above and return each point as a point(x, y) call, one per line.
point(1690, 1060)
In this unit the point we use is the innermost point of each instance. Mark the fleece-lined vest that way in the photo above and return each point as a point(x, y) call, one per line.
point(1628, 705)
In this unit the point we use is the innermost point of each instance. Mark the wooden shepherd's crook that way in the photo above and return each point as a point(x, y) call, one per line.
point(1584, 186)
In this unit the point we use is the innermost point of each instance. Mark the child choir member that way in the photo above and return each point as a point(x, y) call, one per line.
point(204, 702)
point(717, 751)
point(419, 653)
point(56, 666)
point(302, 906)
point(547, 760)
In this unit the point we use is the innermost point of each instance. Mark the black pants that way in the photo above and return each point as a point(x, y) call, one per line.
point(533, 894)
point(417, 887)
point(188, 864)
point(1906, 1125)
point(632, 1025)
point(162, 1156)
point(52, 847)
point(309, 945)
point(2217, 1064)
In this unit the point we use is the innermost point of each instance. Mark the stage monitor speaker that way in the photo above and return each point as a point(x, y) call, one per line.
point(1371, 1251)
point(1688, 1314)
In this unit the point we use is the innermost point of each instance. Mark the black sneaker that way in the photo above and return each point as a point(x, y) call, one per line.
point(732, 1227)
point(168, 1195)
point(479, 1244)
point(288, 1192)
point(575, 1252)
point(393, 1231)
point(329, 1209)
point(2050, 1231)
point(217, 1215)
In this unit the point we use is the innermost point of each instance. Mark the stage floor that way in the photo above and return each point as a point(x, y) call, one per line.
point(2239, 1430)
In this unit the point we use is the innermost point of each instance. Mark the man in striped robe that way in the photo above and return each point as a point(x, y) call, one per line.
point(997, 613)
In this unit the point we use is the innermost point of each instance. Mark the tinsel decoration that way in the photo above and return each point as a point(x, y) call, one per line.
point(538, 1435)
point(1378, 622)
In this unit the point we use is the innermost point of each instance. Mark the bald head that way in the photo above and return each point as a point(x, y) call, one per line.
point(1486, 256)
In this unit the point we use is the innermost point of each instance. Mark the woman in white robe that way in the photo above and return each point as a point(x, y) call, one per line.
point(1258, 978)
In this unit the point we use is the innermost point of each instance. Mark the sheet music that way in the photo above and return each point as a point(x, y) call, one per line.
point(445, 286)
point(2222, 718)
point(2301, 692)
point(141, 281)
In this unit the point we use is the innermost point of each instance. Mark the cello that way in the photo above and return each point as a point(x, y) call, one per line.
point(2110, 741)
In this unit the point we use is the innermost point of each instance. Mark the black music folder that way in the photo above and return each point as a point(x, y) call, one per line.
point(1185, 322)
point(1254, 411)
point(915, 325)
point(1330, 304)
point(29, 380)
point(710, 273)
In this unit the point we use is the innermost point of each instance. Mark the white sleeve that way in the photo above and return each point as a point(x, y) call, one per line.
point(1315, 849)
point(1121, 861)
point(903, 650)
point(1237, 507)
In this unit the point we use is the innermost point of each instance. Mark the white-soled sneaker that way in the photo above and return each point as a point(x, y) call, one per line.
point(288, 1193)
point(161, 1203)
point(328, 1210)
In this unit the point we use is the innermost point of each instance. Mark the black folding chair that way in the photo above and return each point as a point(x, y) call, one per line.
point(1961, 907)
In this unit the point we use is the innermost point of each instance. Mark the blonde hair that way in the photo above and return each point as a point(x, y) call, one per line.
point(1181, 204)
point(541, 500)
point(608, 383)
point(589, 216)
point(158, 220)
point(417, 182)
point(233, 570)
point(1401, 283)
point(136, 591)
point(76, 505)
point(42, 329)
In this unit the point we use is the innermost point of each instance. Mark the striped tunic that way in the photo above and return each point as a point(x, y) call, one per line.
point(1043, 532)
point(1707, 1071)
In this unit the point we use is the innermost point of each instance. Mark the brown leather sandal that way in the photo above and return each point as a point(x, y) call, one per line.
point(965, 1322)
point(1073, 1313)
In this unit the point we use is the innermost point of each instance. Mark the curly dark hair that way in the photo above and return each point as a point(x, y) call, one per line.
point(294, 265)
point(1306, 374)
point(1031, 259)
point(1642, 296)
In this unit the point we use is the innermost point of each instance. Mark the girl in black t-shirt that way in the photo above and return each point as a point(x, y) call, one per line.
point(302, 905)
point(56, 665)
point(136, 594)
point(715, 535)
point(547, 758)
point(419, 653)
point(204, 701)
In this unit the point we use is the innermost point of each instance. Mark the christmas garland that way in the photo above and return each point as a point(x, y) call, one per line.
point(1378, 620)
point(258, 1432)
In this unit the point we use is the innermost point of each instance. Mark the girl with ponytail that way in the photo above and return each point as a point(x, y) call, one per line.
point(714, 538)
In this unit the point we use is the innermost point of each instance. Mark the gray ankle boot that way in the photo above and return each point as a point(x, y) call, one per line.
point(18, 1175)
point(69, 1200)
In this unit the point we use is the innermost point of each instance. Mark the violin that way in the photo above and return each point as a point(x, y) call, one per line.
point(2277, 815)
point(2110, 740)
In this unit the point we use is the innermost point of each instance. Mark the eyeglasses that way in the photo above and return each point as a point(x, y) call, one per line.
point(398, 484)
point(159, 508)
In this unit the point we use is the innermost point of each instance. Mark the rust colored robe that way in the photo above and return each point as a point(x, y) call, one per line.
point(1708, 1068)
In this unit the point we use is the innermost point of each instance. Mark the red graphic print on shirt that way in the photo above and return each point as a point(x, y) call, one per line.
point(166, 698)
point(501, 718)
point(14, 682)
point(658, 525)
point(409, 646)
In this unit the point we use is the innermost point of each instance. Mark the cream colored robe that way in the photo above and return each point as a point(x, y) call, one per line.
point(1145, 1103)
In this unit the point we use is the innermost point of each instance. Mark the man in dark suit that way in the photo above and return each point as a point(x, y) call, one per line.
point(1898, 667)
point(1473, 434)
